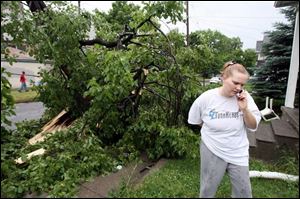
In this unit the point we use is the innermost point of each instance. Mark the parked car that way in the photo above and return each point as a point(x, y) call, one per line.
point(215, 80)
point(253, 78)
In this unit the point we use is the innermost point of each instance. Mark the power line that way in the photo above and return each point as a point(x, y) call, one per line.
point(237, 17)
point(228, 29)
point(230, 24)
point(26, 75)
point(187, 23)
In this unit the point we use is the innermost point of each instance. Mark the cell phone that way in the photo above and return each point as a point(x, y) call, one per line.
point(239, 93)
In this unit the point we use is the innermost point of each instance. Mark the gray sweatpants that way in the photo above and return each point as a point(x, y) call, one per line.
point(212, 171)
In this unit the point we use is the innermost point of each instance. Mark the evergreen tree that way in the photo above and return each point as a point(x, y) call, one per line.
point(273, 74)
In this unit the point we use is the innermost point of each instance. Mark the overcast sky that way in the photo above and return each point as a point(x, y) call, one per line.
point(247, 20)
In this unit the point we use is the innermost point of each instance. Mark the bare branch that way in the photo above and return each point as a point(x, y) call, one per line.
point(98, 41)
point(155, 93)
point(171, 54)
point(155, 82)
point(143, 22)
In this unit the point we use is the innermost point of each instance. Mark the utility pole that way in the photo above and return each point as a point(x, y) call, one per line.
point(187, 23)
point(79, 7)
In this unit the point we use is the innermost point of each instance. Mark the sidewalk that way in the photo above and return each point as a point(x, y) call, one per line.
point(132, 175)
point(100, 186)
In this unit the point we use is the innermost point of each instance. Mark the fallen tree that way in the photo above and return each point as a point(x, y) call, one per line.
point(107, 82)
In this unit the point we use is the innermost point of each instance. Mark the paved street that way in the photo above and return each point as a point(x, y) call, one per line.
point(26, 111)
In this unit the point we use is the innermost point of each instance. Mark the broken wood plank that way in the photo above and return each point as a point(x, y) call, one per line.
point(53, 121)
point(40, 151)
point(58, 123)
point(50, 128)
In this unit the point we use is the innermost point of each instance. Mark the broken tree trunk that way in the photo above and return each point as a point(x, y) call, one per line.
point(58, 123)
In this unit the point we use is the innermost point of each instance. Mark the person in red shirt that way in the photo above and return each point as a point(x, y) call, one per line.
point(23, 82)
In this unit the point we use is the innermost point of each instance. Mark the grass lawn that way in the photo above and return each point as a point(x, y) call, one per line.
point(180, 178)
point(20, 97)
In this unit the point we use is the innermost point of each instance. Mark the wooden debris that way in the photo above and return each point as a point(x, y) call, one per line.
point(60, 122)
point(30, 155)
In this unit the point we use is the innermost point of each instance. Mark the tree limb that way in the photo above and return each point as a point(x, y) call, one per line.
point(155, 93)
point(98, 41)
point(155, 82)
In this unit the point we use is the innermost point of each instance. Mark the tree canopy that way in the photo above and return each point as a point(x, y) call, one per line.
point(213, 49)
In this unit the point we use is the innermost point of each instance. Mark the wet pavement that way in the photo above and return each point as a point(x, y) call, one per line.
point(26, 111)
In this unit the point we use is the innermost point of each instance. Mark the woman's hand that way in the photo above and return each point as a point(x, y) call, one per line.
point(242, 100)
point(249, 119)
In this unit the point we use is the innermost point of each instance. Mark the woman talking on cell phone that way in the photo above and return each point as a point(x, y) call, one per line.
point(225, 113)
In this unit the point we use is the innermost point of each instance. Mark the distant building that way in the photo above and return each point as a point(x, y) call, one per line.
point(260, 56)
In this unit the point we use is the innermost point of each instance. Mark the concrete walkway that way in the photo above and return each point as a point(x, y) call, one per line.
point(131, 175)
point(101, 186)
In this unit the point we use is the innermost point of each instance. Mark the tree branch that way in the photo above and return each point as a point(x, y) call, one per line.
point(155, 82)
point(98, 41)
point(124, 38)
point(36, 5)
point(155, 93)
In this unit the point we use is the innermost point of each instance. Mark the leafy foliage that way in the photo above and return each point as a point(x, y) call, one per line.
point(7, 101)
point(70, 158)
point(215, 49)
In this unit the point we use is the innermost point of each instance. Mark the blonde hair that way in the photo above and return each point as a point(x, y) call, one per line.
point(233, 66)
